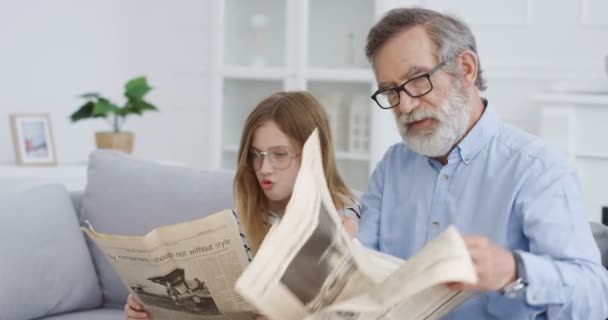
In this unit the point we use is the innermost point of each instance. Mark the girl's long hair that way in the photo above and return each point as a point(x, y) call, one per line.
point(297, 114)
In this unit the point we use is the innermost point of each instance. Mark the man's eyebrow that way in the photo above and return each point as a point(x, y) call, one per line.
point(409, 74)
point(413, 71)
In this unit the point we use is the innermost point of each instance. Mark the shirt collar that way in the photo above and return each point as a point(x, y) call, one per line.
point(479, 135)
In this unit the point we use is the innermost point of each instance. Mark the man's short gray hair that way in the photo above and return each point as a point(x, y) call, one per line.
point(450, 35)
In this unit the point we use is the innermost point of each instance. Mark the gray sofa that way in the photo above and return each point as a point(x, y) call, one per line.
point(49, 270)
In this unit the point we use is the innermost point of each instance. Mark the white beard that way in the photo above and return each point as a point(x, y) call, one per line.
point(452, 117)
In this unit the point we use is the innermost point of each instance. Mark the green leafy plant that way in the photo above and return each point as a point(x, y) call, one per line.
point(101, 107)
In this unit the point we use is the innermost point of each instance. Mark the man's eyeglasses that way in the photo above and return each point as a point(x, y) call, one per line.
point(415, 88)
point(279, 158)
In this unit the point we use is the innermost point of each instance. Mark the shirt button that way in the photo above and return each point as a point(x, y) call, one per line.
point(435, 224)
point(445, 177)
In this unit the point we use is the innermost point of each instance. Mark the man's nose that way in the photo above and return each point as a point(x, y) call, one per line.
point(406, 103)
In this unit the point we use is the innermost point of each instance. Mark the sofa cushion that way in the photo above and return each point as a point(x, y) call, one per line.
point(126, 195)
point(45, 264)
point(97, 314)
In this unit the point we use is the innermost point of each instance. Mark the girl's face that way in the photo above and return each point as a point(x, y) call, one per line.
point(276, 161)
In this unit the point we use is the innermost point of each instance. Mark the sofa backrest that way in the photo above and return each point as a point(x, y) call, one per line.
point(600, 233)
point(46, 268)
point(126, 195)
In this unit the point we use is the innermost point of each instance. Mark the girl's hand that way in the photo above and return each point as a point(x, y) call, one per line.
point(134, 309)
point(351, 226)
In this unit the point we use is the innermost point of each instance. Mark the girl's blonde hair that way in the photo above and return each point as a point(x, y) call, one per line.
point(297, 114)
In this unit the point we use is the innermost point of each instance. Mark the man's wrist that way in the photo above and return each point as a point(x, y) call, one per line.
point(519, 284)
point(520, 268)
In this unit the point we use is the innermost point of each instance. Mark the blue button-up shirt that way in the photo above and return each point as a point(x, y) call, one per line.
point(508, 186)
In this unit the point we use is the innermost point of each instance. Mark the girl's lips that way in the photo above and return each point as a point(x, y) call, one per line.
point(267, 184)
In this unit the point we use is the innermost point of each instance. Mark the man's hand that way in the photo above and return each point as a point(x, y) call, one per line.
point(495, 265)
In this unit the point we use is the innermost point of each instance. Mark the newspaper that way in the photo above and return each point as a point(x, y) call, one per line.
point(308, 268)
point(184, 271)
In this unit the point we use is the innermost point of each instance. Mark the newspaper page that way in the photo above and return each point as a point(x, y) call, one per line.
point(308, 268)
point(183, 271)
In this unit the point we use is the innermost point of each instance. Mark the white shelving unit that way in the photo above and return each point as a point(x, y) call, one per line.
point(575, 124)
point(274, 45)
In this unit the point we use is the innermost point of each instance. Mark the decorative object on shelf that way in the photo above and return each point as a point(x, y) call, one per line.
point(33, 139)
point(350, 58)
point(359, 124)
point(606, 64)
point(259, 22)
point(101, 107)
point(336, 105)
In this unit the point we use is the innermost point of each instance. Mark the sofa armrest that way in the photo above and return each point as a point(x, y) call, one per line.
point(76, 197)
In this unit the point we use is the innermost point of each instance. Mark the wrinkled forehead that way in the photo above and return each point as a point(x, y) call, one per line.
point(405, 55)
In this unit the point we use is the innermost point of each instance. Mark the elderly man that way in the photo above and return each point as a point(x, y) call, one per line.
point(519, 205)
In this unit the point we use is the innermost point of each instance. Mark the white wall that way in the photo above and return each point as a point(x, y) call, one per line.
point(52, 51)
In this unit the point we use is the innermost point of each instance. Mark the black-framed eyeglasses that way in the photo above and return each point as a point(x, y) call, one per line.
point(415, 88)
point(280, 158)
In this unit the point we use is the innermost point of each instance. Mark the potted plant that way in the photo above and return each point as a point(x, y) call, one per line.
point(97, 106)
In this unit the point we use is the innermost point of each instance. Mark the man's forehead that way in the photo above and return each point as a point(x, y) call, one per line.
point(407, 54)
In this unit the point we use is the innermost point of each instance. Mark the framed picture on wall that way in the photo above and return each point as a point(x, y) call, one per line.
point(33, 139)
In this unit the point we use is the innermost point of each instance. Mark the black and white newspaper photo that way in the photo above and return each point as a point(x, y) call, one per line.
point(319, 271)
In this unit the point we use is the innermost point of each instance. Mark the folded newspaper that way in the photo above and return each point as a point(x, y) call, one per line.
point(183, 271)
point(306, 268)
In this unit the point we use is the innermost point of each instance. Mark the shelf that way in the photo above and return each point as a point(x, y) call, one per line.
point(253, 29)
point(340, 155)
point(296, 45)
point(10, 171)
point(594, 87)
point(338, 45)
point(16, 178)
point(578, 99)
point(254, 73)
point(590, 155)
point(358, 156)
point(340, 74)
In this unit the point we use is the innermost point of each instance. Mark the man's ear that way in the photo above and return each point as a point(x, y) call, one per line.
point(468, 64)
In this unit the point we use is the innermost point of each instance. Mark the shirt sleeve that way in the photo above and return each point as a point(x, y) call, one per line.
point(371, 205)
point(562, 265)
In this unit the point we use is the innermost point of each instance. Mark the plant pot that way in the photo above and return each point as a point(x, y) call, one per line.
point(121, 141)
